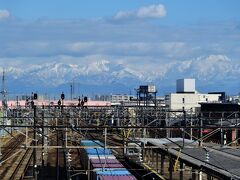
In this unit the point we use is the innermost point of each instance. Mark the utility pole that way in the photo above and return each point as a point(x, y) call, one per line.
point(184, 125)
point(4, 98)
point(191, 123)
point(43, 136)
point(200, 130)
point(222, 131)
point(4, 104)
point(34, 143)
point(71, 91)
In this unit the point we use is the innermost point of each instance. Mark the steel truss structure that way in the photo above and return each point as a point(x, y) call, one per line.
point(39, 124)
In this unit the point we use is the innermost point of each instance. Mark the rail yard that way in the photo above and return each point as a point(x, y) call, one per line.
point(115, 142)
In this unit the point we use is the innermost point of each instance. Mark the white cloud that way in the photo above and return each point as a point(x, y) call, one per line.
point(171, 49)
point(151, 11)
point(80, 46)
point(4, 14)
point(142, 40)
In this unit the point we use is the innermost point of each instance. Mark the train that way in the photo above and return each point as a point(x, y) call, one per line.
point(100, 163)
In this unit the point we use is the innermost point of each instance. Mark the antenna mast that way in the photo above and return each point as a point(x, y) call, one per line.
point(4, 92)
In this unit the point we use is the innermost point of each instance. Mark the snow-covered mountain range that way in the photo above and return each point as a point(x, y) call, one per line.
point(213, 73)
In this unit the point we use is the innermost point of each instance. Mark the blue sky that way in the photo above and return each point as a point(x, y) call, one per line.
point(157, 35)
point(187, 11)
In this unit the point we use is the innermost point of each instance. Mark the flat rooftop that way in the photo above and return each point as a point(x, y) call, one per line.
point(223, 161)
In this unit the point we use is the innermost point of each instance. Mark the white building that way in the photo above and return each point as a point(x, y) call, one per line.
point(187, 97)
point(120, 98)
point(178, 101)
point(235, 99)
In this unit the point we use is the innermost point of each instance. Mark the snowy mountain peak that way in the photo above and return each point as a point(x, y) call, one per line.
point(212, 68)
point(97, 66)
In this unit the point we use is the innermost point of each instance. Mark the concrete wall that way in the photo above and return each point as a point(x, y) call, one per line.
point(189, 100)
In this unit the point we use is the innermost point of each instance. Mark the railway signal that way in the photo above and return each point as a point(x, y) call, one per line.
point(62, 96)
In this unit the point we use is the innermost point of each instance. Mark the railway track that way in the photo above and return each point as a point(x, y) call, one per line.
point(60, 154)
point(54, 166)
point(10, 154)
point(60, 158)
point(22, 165)
point(16, 163)
point(11, 147)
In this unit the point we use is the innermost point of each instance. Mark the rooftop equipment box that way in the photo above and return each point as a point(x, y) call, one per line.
point(147, 89)
point(185, 85)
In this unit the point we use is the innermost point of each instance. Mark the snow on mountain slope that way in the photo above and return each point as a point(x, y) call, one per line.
point(208, 70)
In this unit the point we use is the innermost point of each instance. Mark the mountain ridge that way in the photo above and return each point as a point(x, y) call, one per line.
point(212, 72)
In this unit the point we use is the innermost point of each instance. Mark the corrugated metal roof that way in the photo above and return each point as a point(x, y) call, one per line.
point(168, 141)
point(225, 161)
point(235, 152)
point(217, 159)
